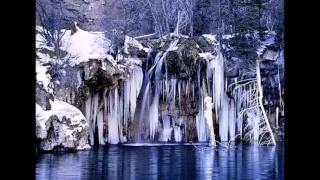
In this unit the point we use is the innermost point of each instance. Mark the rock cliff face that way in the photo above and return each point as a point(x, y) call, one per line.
point(91, 15)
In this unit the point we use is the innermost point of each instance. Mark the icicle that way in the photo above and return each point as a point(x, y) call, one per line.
point(238, 94)
point(119, 118)
point(232, 123)
point(174, 82)
point(239, 124)
point(142, 110)
point(88, 117)
point(100, 127)
point(95, 110)
point(201, 123)
point(223, 121)
point(277, 117)
point(226, 85)
point(153, 117)
point(105, 101)
point(126, 103)
point(218, 82)
point(167, 82)
point(177, 134)
point(179, 93)
point(187, 88)
point(193, 91)
point(256, 127)
point(135, 87)
point(165, 136)
point(113, 137)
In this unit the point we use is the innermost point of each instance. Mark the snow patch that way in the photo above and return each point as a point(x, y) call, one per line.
point(270, 55)
point(84, 45)
point(85, 147)
point(43, 78)
point(132, 42)
point(206, 56)
point(228, 36)
point(211, 38)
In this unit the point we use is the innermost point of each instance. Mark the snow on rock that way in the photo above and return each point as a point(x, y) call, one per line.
point(85, 147)
point(269, 39)
point(84, 45)
point(228, 36)
point(81, 46)
point(211, 38)
point(111, 59)
point(130, 63)
point(132, 42)
point(271, 55)
point(92, 49)
point(206, 56)
point(43, 78)
point(63, 125)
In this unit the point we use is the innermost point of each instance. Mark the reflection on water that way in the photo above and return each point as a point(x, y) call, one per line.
point(164, 162)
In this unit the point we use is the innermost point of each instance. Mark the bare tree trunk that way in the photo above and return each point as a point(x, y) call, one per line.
point(260, 100)
point(277, 118)
point(219, 25)
point(191, 5)
point(157, 29)
point(166, 19)
point(160, 27)
point(191, 29)
point(176, 31)
point(281, 103)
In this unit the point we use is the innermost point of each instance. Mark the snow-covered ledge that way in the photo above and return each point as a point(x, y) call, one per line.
point(63, 125)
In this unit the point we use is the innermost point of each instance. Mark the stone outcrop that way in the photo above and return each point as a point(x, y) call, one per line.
point(61, 126)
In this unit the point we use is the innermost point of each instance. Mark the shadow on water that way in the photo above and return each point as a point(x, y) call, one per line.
point(163, 162)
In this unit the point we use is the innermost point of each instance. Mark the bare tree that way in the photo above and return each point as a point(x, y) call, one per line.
point(51, 22)
point(248, 95)
point(273, 15)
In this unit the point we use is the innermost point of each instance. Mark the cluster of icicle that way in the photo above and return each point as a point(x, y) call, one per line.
point(165, 89)
point(230, 112)
point(216, 99)
point(120, 104)
point(119, 107)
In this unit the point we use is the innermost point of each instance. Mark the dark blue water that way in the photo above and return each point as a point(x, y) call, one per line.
point(164, 162)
